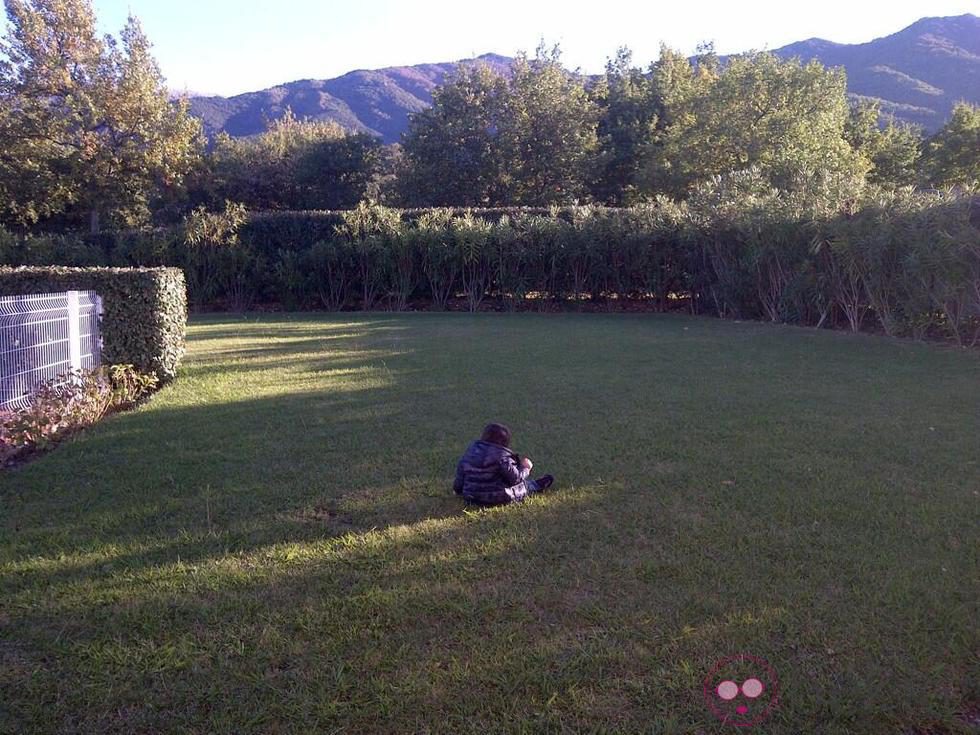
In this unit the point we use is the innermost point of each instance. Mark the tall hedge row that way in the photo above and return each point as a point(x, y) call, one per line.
point(145, 309)
point(902, 262)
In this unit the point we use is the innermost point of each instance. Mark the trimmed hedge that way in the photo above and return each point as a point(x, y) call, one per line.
point(145, 309)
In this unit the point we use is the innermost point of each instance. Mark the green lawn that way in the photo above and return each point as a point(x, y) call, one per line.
point(271, 544)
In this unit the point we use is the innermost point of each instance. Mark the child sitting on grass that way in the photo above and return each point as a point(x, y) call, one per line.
point(489, 473)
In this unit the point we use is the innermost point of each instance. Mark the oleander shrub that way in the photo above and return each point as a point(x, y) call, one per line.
point(903, 262)
point(216, 263)
point(144, 317)
point(371, 233)
point(433, 238)
point(908, 262)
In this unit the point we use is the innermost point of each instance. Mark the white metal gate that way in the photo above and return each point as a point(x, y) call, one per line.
point(44, 336)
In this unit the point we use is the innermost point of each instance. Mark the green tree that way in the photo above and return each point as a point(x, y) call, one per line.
point(295, 164)
point(674, 84)
point(528, 138)
point(547, 132)
point(893, 151)
point(339, 173)
point(784, 118)
point(450, 152)
point(952, 156)
point(86, 123)
point(628, 118)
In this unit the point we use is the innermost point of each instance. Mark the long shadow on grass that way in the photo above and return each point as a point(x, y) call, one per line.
point(225, 476)
point(586, 609)
point(422, 586)
point(232, 476)
point(316, 329)
point(193, 482)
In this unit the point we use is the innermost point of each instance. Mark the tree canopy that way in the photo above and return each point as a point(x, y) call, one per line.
point(90, 134)
point(541, 135)
point(953, 154)
point(451, 150)
point(782, 117)
point(525, 138)
point(894, 151)
point(295, 164)
point(629, 115)
point(86, 122)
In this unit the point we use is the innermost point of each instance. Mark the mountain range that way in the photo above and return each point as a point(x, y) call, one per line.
point(917, 75)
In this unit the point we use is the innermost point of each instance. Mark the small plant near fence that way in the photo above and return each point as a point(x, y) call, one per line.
point(67, 403)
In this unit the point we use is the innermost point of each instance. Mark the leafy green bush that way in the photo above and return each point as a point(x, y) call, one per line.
point(145, 309)
point(45, 249)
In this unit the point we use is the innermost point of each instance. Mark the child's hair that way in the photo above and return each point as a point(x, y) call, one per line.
point(496, 434)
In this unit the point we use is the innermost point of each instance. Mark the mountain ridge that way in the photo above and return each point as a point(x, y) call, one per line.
point(917, 74)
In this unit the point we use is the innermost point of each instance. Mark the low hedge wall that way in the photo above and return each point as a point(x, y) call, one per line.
point(145, 309)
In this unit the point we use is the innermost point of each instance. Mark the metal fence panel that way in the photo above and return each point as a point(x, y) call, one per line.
point(44, 336)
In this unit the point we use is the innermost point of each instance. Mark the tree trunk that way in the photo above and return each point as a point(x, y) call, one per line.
point(94, 221)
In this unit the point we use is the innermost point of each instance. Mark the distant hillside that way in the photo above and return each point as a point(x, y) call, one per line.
point(377, 102)
point(917, 74)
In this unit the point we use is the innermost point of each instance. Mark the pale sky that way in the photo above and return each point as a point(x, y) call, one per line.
point(232, 46)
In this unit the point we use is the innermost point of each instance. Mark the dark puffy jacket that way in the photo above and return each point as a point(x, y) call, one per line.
point(490, 474)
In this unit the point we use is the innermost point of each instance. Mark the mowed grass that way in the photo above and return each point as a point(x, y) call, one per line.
point(271, 544)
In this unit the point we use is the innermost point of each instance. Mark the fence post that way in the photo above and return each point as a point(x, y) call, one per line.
point(98, 323)
point(74, 333)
